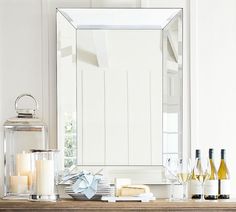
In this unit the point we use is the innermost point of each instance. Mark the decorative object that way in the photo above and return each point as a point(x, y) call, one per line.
point(125, 108)
point(88, 186)
point(44, 167)
point(21, 134)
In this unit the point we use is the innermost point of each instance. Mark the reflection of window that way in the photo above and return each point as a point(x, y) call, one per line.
point(170, 122)
point(171, 143)
point(170, 135)
point(70, 147)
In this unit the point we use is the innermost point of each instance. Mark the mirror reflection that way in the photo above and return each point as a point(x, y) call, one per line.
point(119, 86)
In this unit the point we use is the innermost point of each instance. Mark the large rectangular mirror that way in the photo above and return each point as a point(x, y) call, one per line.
point(119, 86)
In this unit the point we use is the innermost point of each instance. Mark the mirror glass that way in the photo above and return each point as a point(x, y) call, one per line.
point(119, 86)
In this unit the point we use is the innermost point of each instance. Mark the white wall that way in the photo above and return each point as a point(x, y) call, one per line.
point(20, 55)
point(214, 87)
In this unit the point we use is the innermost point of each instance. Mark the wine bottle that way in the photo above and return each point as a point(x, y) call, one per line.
point(223, 178)
point(195, 184)
point(211, 185)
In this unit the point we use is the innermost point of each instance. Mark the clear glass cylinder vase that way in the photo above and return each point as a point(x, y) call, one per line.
point(45, 175)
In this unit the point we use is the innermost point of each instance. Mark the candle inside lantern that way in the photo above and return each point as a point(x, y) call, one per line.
point(23, 166)
point(19, 184)
point(22, 163)
point(44, 177)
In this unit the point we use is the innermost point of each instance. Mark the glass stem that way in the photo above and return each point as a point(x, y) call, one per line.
point(202, 191)
point(184, 190)
point(171, 191)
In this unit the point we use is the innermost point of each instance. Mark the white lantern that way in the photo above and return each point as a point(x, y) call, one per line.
point(21, 134)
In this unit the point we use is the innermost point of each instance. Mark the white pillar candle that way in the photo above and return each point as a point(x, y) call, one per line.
point(19, 184)
point(44, 177)
point(23, 166)
point(22, 163)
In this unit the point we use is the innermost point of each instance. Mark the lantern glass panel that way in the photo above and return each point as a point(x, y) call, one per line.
point(20, 136)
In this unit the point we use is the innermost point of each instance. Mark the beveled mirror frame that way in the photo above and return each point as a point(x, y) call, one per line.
point(156, 176)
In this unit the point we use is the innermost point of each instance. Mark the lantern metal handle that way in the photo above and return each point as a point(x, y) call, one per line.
point(26, 113)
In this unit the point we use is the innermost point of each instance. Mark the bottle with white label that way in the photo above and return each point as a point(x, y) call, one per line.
point(195, 184)
point(224, 178)
point(211, 185)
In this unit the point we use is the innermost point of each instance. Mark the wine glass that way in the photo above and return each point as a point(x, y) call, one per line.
point(184, 174)
point(202, 171)
point(171, 174)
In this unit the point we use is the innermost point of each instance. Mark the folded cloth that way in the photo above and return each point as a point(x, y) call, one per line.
point(86, 184)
